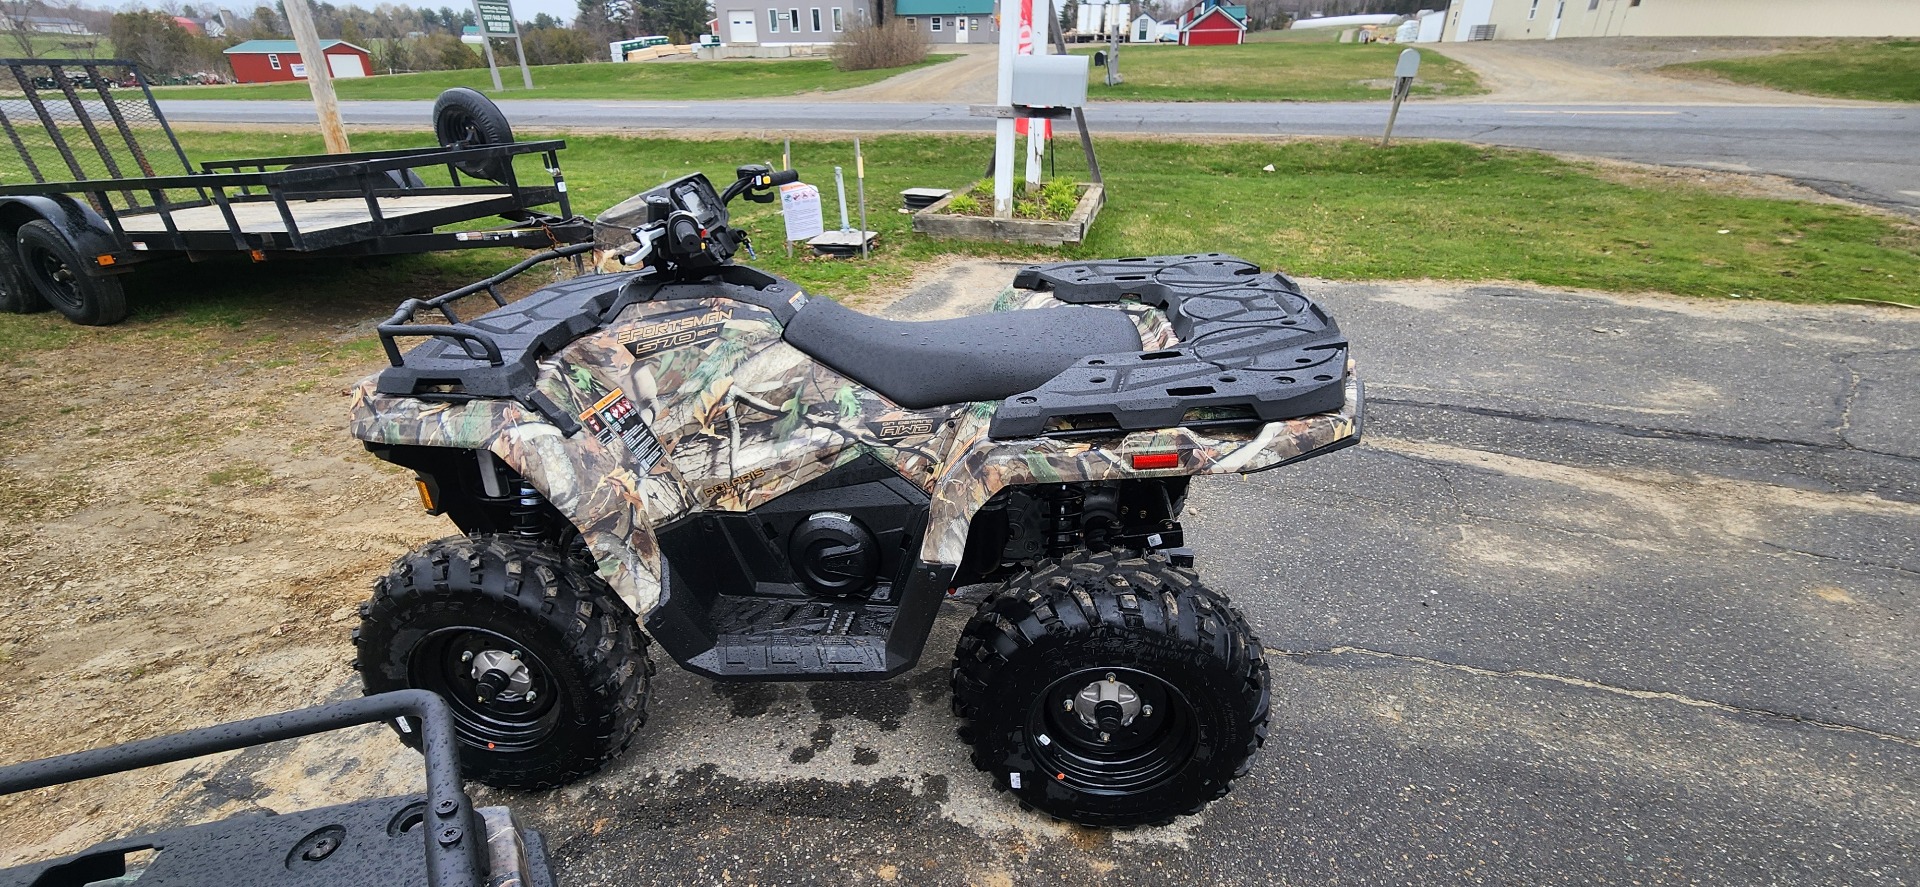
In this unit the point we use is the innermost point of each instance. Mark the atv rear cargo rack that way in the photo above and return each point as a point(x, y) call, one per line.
point(1252, 349)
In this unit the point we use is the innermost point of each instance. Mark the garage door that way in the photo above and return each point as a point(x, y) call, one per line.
point(346, 66)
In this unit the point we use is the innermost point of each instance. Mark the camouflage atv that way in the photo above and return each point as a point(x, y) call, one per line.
point(777, 487)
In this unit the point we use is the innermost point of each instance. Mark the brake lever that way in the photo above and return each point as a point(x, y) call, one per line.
point(640, 236)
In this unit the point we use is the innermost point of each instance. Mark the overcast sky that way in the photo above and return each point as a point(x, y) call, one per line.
point(524, 10)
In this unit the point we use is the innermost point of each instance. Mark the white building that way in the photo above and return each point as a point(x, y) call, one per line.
point(1552, 19)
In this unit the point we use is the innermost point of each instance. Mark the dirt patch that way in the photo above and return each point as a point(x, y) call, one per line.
point(189, 531)
point(970, 78)
point(1624, 70)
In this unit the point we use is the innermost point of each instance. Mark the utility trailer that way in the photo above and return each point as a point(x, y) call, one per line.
point(96, 185)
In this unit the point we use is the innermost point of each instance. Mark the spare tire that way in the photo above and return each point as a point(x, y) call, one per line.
point(463, 118)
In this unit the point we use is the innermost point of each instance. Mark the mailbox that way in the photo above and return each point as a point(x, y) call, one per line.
point(1050, 81)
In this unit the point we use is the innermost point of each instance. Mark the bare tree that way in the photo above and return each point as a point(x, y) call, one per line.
point(17, 16)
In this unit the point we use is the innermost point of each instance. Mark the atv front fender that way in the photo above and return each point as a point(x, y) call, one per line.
point(596, 489)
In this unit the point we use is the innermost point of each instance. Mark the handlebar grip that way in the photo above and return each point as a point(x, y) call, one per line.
point(784, 177)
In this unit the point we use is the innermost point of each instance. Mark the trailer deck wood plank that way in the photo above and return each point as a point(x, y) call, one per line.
point(312, 216)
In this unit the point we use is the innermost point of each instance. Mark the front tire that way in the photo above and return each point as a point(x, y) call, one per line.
point(1110, 689)
point(545, 669)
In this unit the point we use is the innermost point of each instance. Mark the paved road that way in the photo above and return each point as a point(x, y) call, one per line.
point(1615, 591)
point(1861, 153)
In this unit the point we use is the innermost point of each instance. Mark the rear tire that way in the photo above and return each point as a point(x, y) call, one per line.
point(1099, 620)
point(16, 295)
point(573, 662)
point(463, 118)
point(57, 272)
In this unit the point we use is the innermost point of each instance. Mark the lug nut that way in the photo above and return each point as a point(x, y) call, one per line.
point(1146, 711)
point(1106, 737)
point(1067, 704)
point(532, 695)
point(467, 656)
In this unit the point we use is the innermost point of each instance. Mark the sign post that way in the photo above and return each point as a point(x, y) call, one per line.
point(319, 76)
point(1033, 29)
point(1403, 74)
point(1003, 140)
point(496, 20)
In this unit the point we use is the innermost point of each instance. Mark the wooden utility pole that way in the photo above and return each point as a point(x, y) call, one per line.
point(319, 76)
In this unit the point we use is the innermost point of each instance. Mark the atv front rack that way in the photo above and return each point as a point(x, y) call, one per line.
point(1252, 349)
point(491, 356)
point(438, 838)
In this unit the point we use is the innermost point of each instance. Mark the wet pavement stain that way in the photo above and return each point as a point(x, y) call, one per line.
point(821, 740)
point(881, 704)
point(747, 700)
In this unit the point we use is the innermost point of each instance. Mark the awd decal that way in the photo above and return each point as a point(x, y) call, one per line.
point(615, 418)
point(893, 427)
point(677, 332)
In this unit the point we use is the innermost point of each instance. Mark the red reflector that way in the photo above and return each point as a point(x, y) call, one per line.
point(1150, 461)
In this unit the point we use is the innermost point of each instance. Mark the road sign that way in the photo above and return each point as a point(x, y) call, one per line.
point(496, 17)
point(496, 20)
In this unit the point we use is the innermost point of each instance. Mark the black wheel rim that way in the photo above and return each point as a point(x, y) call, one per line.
point(457, 129)
point(1134, 758)
point(508, 722)
point(54, 279)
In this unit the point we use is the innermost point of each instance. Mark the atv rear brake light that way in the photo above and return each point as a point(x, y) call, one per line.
point(1151, 461)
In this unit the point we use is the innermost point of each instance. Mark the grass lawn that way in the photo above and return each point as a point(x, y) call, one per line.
point(594, 80)
point(1329, 209)
point(1885, 71)
point(1274, 72)
point(1289, 35)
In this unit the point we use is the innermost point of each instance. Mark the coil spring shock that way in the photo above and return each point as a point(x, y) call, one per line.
point(528, 521)
point(1064, 507)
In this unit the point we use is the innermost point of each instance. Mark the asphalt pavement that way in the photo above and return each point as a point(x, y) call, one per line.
point(1859, 153)
point(1615, 591)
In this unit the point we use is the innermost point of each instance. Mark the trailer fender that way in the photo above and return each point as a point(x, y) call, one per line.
point(77, 222)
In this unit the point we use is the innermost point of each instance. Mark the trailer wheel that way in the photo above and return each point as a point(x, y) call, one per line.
point(16, 295)
point(463, 118)
point(56, 271)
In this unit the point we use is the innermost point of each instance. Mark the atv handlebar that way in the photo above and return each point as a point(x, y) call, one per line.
point(756, 179)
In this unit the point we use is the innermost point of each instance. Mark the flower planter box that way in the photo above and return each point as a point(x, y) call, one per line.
point(935, 221)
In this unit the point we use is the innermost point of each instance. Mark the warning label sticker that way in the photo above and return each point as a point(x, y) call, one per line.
point(616, 418)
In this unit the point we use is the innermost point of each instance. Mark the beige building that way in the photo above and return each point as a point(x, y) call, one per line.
point(1552, 19)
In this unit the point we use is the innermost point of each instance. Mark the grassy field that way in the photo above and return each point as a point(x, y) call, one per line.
point(58, 46)
point(1289, 35)
point(1885, 71)
point(1329, 209)
point(595, 80)
point(1274, 72)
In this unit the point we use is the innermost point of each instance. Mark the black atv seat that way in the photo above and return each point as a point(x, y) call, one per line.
point(930, 363)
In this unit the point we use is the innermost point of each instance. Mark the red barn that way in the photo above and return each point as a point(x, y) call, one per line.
point(1213, 28)
point(267, 61)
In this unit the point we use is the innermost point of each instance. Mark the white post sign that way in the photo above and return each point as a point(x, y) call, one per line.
point(800, 207)
point(1033, 41)
point(1003, 139)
